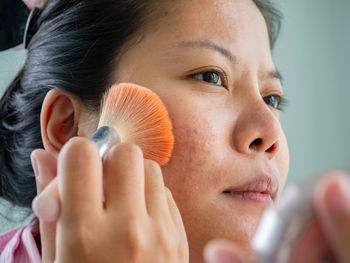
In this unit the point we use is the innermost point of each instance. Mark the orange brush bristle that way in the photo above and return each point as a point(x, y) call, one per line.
point(140, 117)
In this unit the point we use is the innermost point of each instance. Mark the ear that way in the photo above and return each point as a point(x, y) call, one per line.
point(59, 119)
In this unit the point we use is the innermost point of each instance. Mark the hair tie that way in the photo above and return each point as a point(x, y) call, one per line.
point(31, 26)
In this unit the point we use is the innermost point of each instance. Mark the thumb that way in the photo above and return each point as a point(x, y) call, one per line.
point(46, 207)
point(45, 169)
point(46, 204)
point(224, 251)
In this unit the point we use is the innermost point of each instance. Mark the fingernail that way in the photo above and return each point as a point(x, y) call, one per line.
point(338, 195)
point(34, 164)
point(214, 254)
point(45, 208)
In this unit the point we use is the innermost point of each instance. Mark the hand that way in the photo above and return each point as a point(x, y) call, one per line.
point(225, 251)
point(47, 209)
point(135, 219)
point(332, 202)
point(332, 205)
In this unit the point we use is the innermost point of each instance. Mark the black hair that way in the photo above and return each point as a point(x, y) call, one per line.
point(273, 18)
point(72, 51)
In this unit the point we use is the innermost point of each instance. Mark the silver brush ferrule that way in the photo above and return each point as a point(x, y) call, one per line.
point(105, 137)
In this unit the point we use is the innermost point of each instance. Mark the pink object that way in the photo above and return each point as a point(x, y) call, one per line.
point(18, 245)
point(30, 4)
point(19, 47)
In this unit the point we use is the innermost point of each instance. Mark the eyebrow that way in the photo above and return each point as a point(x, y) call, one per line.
point(273, 74)
point(211, 45)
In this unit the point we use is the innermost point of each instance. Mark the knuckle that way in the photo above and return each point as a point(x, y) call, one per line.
point(134, 237)
point(166, 242)
point(78, 148)
point(166, 237)
point(129, 150)
point(152, 166)
point(82, 236)
point(132, 148)
point(75, 236)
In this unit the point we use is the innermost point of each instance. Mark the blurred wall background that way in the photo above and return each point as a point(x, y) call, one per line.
point(10, 62)
point(314, 58)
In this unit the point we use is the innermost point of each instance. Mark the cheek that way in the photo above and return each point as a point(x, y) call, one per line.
point(201, 151)
point(191, 153)
point(198, 149)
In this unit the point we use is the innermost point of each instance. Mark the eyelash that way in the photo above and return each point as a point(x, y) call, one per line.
point(221, 75)
point(281, 101)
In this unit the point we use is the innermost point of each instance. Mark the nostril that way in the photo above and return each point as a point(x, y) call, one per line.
point(273, 148)
point(255, 144)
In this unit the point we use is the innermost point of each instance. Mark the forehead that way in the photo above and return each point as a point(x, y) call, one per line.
point(236, 24)
point(236, 27)
point(222, 17)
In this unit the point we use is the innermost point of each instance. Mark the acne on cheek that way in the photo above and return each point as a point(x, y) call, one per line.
point(192, 147)
point(196, 139)
point(192, 150)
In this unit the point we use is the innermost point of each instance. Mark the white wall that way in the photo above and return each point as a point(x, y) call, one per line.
point(10, 62)
point(313, 56)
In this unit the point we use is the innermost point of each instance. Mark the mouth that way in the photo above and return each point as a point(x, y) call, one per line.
point(262, 189)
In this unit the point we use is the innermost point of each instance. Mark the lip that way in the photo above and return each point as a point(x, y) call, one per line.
point(262, 189)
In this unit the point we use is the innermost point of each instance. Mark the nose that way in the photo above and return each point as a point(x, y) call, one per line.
point(257, 130)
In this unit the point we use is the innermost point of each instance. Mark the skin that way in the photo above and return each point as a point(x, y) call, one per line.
point(216, 126)
point(327, 237)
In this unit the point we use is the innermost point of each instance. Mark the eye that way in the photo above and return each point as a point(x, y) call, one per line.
point(274, 101)
point(211, 77)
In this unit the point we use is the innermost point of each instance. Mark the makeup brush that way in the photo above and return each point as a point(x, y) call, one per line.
point(138, 116)
point(130, 113)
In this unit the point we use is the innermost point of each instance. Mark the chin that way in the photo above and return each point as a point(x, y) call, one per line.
point(237, 225)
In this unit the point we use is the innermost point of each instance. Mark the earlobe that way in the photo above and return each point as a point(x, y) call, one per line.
point(59, 119)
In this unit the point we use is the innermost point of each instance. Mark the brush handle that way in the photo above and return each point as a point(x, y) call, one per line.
point(105, 137)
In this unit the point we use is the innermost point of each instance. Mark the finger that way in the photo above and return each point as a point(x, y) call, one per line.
point(332, 201)
point(222, 251)
point(46, 204)
point(45, 168)
point(156, 199)
point(80, 180)
point(174, 211)
point(46, 207)
point(124, 179)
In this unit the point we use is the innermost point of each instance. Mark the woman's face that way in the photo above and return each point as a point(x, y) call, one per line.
point(210, 63)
